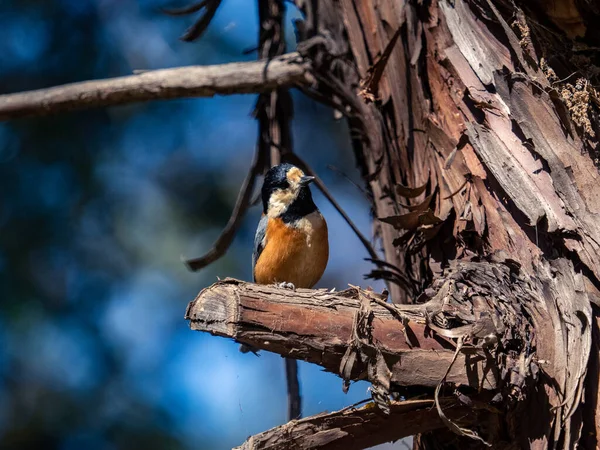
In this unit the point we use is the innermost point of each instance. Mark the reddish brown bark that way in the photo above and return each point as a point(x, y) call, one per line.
point(355, 429)
point(472, 147)
point(319, 327)
point(471, 155)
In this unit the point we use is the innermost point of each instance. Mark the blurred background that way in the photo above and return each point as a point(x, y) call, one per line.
point(96, 210)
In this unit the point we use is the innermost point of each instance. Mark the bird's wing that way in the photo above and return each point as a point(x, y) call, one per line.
point(259, 240)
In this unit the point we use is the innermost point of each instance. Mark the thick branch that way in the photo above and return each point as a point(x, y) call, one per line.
point(351, 428)
point(490, 307)
point(318, 326)
point(193, 81)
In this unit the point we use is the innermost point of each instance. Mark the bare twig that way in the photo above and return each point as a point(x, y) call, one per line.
point(274, 111)
point(397, 276)
point(195, 7)
point(293, 389)
point(199, 27)
point(193, 81)
point(241, 205)
point(351, 181)
point(274, 108)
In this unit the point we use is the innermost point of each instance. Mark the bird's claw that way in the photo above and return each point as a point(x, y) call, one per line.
point(286, 285)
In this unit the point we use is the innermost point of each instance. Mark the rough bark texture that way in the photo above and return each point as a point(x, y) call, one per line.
point(194, 81)
point(355, 429)
point(498, 312)
point(474, 146)
point(322, 327)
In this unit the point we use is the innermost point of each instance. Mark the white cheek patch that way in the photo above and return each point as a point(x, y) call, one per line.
point(280, 200)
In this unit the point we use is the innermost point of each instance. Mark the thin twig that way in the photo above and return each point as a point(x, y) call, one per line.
point(382, 263)
point(274, 114)
point(199, 27)
point(241, 206)
point(333, 102)
point(185, 10)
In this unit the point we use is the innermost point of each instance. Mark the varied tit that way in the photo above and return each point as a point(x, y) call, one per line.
point(291, 244)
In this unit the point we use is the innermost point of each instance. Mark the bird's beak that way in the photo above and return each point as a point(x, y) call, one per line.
point(306, 180)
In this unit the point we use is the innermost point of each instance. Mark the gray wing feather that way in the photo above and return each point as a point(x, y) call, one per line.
point(259, 241)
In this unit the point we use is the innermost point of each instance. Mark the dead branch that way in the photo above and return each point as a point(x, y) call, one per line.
point(194, 81)
point(352, 428)
point(471, 331)
point(319, 327)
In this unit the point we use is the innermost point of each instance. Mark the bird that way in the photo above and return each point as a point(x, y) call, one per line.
point(291, 244)
point(291, 247)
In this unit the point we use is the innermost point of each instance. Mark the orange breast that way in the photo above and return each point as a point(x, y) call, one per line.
point(294, 254)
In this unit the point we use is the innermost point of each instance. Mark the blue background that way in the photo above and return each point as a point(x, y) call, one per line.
point(98, 207)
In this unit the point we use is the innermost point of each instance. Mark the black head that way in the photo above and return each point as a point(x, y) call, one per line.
point(285, 193)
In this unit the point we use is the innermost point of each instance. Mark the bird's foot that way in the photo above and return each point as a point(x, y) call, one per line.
point(286, 285)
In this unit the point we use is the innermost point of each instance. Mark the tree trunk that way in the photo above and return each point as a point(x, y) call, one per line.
point(476, 133)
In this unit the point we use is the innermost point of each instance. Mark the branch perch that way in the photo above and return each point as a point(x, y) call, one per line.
point(317, 326)
point(194, 81)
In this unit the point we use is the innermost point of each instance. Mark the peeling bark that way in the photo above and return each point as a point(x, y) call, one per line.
point(355, 429)
point(471, 151)
point(319, 327)
point(514, 326)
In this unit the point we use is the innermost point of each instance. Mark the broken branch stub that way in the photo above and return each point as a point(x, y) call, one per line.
point(317, 326)
point(505, 319)
point(350, 333)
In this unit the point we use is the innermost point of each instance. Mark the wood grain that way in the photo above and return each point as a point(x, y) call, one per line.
point(358, 428)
